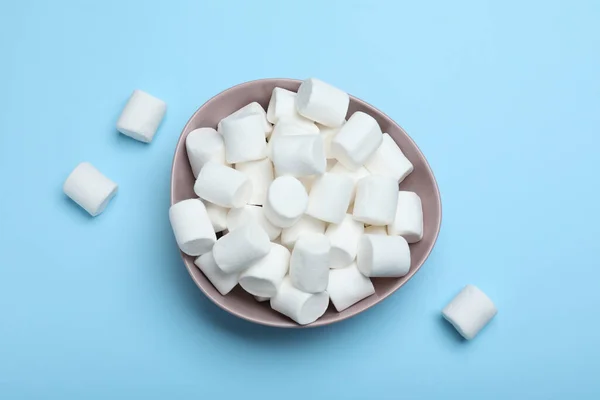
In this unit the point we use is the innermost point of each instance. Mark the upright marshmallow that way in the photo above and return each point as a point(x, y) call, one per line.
point(344, 238)
point(282, 106)
point(223, 186)
point(286, 201)
point(305, 225)
point(389, 160)
point(327, 134)
point(376, 200)
point(250, 109)
point(244, 138)
point(217, 216)
point(192, 227)
point(322, 103)
point(309, 264)
point(375, 230)
point(302, 307)
point(382, 256)
point(141, 116)
point(356, 176)
point(330, 197)
point(264, 277)
point(91, 190)
point(347, 286)
point(241, 248)
point(298, 155)
point(357, 140)
point(243, 215)
point(223, 282)
point(203, 145)
point(260, 173)
point(470, 311)
point(408, 221)
point(286, 128)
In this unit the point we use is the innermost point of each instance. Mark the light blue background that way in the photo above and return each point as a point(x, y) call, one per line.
point(503, 97)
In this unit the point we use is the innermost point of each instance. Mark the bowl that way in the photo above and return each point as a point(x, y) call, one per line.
point(421, 181)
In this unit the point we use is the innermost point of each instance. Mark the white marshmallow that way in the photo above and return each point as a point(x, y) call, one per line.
point(408, 221)
point(286, 201)
point(305, 225)
point(382, 256)
point(89, 188)
point(376, 200)
point(375, 230)
point(250, 109)
point(344, 238)
point(260, 173)
point(222, 281)
point(347, 286)
point(202, 145)
point(309, 264)
point(283, 106)
point(241, 216)
point(286, 128)
point(356, 175)
point(301, 307)
point(389, 160)
point(261, 299)
point(217, 215)
point(264, 276)
point(241, 248)
point(322, 102)
point(357, 140)
point(141, 116)
point(298, 155)
point(470, 311)
point(244, 138)
point(330, 197)
point(223, 186)
point(192, 228)
point(327, 134)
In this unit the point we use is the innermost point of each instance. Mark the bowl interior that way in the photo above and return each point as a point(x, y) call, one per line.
point(421, 181)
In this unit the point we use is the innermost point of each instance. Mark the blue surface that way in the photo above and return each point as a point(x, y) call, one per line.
point(502, 97)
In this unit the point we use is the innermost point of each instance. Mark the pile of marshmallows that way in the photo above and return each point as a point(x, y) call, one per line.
point(309, 207)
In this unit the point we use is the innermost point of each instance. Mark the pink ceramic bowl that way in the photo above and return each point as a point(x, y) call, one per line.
point(421, 181)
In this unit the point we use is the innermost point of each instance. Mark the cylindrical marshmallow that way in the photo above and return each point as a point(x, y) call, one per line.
point(264, 276)
point(283, 106)
point(375, 230)
point(309, 264)
point(389, 160)
point(141, 116)
point(249, 109)
point(286, 201)
point(356, 176)
point(241, 248)
point(376, 200)
point(408, 221)
point(302, 307)
point(243, 215)
point(327, 134)
point(261, 299)
point(382, 256)
point(89, 188)
point(260, 173)
point(347, 286)
point(298, 155)
point(344, 238)
point(470, 311)
point(244, 138)
point(330, 197)
point(357, 140)
point(192, 227)
point(223, 282)
point(202, 145)
point(286, 128)
point(322, 103)
point(223, 186)
point(305, 225)
point(217, 215)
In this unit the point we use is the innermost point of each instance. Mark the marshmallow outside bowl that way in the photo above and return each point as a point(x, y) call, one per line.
point(420, 181)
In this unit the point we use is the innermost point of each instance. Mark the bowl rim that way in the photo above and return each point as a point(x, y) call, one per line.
point(318, 322)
